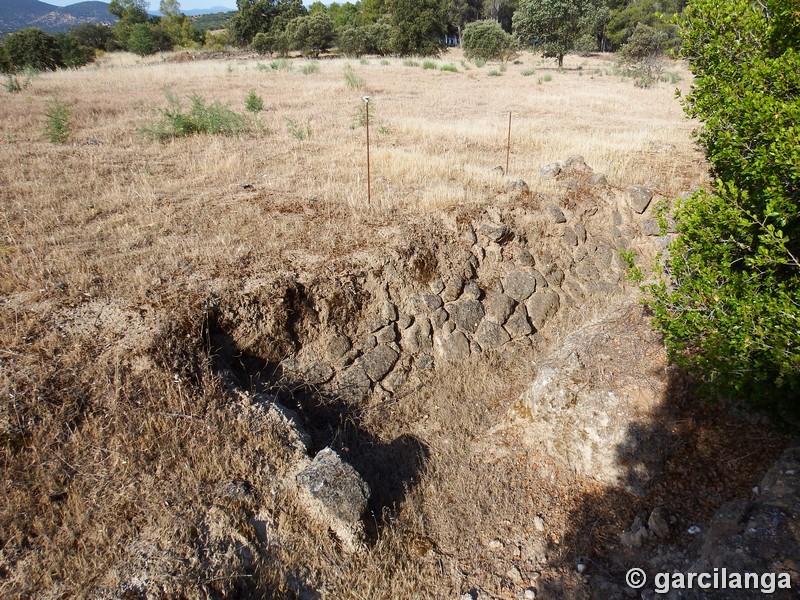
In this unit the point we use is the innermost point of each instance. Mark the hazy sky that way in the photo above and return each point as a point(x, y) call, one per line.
point(185, 4)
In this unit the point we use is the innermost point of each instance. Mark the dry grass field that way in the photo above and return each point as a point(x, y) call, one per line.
point(108, 461)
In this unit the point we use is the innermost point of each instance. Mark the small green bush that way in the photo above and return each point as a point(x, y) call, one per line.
point(211, 119)
point(494, 73)
point(309, 69)
point(58, 128)
point(281, 64)
point(449, 68)
point(486, 40)
point(479, 62)
point(299, 131)
point(352, 80)
point(384, 62)
point(410, 63)
point(527, 72)
point(254, 103)
point(428, 64)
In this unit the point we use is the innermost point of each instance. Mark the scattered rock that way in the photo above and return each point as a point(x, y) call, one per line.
point(519, 285)
point(378, 362)
point(538, 524)
point(529, 594)
point(452, 289)
point(639, 198)
point(657, 523)
point(335, 494)
point(491, 335)
point(650, 227)
point(418, 337)
point(550, 170)
point(318, 373)
point(336, 347)
point(517, 185)
point(498, 233)
point(498, 307)
point(436, 285)
point(556, 213)
point(466, 314)
point(471, 291)
point(570, 239)
point(425, 303)
point(598, 179)
point(524, 258)
point(518, 324)
point(451, 347)
point(542, 306)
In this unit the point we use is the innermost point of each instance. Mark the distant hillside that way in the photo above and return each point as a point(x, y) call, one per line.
point(18, 14)
point(207, 11)
point(217, 20)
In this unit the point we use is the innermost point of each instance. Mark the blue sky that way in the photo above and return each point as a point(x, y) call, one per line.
point(185, 4)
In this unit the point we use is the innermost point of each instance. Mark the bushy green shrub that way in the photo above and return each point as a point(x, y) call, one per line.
point(352, 79)
point(254, 103)
point(729, 305)
point(33, 48)
point(57, 128)
point(214, 118)
point(488, 41)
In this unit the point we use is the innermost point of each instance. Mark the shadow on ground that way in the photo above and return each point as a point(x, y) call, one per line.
point(708, 457)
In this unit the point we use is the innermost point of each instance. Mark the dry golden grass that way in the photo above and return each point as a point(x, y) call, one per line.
point(96, 450)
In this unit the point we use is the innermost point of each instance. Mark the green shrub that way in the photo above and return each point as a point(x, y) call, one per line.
point(494, 73)
point(449, 68)
point(479, 62)
point(428, 64)
point(384, 62)
point(32, 48)
point(352, 80)
point(58, 127)
point(211, 119)
point(488, 41)
point(527, 72)
point(254, 103)
point(410, 63)
point(299, 131)
point(309, 69)
point(729, 304)
point(281, 64)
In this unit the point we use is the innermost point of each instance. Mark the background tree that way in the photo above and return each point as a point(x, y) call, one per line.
point(5, 62)
point(658, 14)
point(311, 34)
point(73, 54)
point(176, 24)
point(554, 26)
point(731, 306)
point(32, 47)
point(253, 17)
point(129, 13)
point(643, 54)
point(418, 26)
point(487, 40)
point(98, 37)
point(140, 39)
point(501, 11)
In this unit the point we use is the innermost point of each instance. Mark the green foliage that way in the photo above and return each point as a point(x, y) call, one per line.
point(140, 39)
point(479, 62)
point(57, 129)
point(175, 25)
point(642, 56)
point(73, 54)
point(527, 72)
point(211, 21)
point(97, 37)
point(299, 131)
point(418, 26)
point(211, 119)
point(282, 64)
point(428, 64)
point(352, 80)
point(252, 18)
point(312, 34)
point(33, 48)
point(730, 308)
point(487, 40)
point(309, 69)
point(5, 62)
point(634, 273)
point(494, 73)
point(271, 42)
point(254, 103)
point(410, 62)
point(554, 26)
point(449, 68)
point(622, 21)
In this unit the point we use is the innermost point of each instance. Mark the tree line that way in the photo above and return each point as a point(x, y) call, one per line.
point(490, 28)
